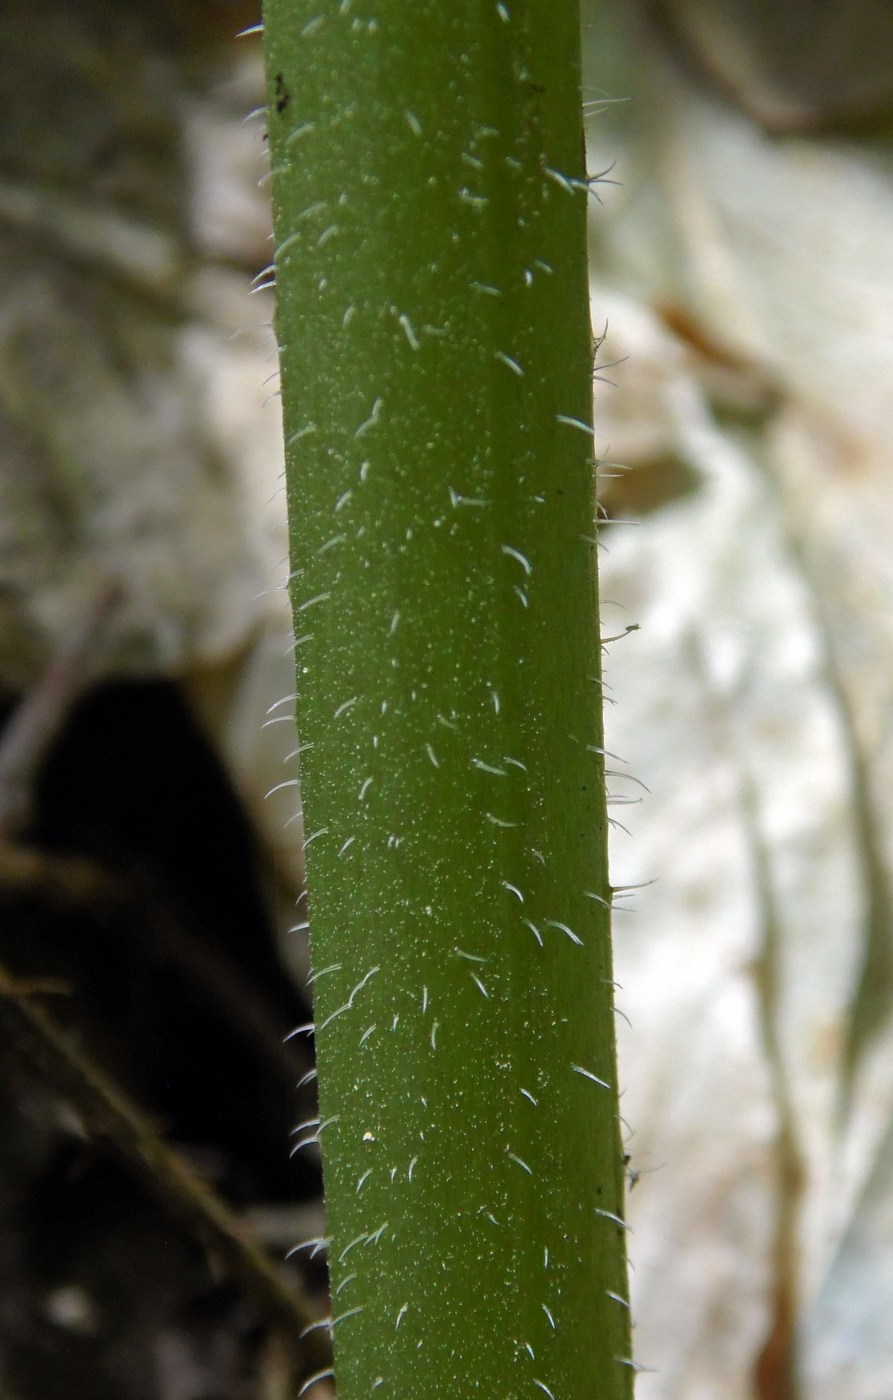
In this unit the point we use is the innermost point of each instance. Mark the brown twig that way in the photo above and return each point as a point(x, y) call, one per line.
point(108, 1112)
point(57, 879)
point(137, 905)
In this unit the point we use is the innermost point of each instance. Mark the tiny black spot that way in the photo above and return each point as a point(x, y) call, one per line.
point(283, 96)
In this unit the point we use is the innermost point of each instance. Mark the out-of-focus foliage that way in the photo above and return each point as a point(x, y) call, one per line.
point(745, 265)
point(130, 445)
point(746, 279)
point(135, 441)
point(798, 66)
point(141, 545)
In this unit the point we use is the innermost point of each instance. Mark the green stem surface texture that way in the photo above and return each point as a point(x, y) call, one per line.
point(430, 220)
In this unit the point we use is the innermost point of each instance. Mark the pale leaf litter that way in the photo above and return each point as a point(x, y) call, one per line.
point(754, 700)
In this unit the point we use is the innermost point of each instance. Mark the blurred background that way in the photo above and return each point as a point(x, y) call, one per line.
point(152, 949)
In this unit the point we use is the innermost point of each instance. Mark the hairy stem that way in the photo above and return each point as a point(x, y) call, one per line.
point(430, 216)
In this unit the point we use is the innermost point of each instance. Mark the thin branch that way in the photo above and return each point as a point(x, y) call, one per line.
point(137, 906)
point(34, 1035)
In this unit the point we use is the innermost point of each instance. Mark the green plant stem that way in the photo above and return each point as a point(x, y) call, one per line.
point(430, 217)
